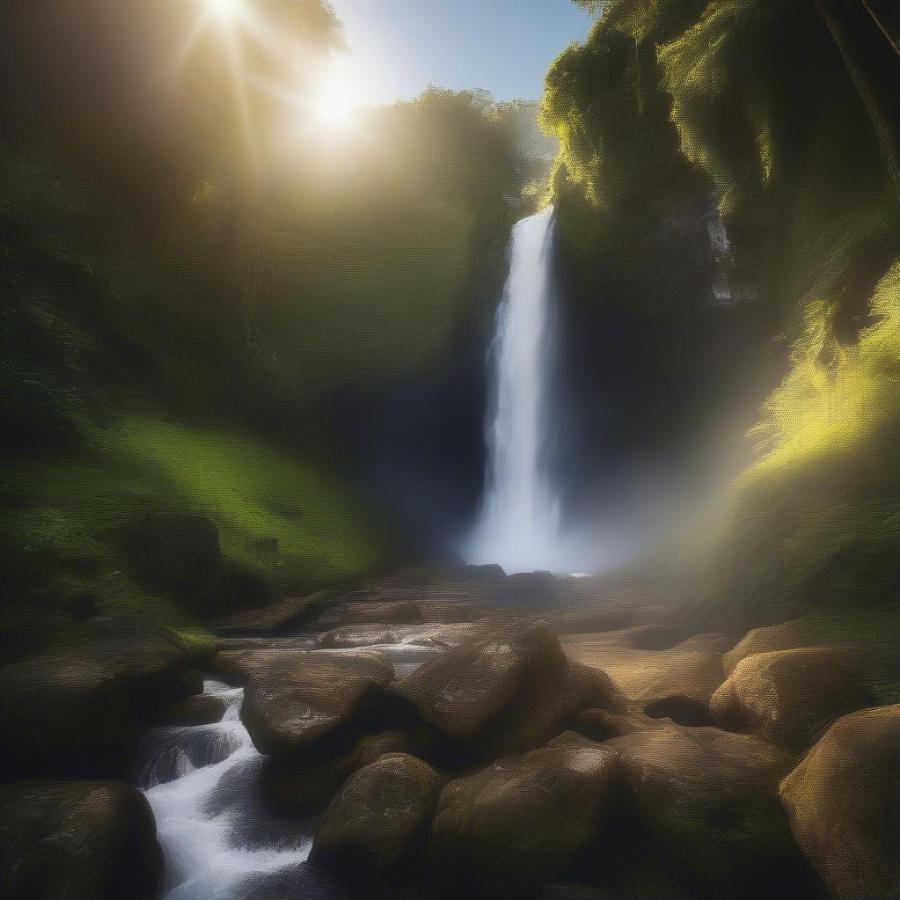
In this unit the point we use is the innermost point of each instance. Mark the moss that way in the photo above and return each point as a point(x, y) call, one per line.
point(60, 540)
point(255, 493)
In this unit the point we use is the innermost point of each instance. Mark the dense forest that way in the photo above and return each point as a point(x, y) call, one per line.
point(245, 386)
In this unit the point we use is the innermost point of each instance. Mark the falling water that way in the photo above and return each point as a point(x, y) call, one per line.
point(518, 524)
point(217, 840)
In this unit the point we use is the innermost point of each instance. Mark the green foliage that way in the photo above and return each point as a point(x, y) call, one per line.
point(777, 108)
point(49, 359)
point(252, 491)
point(816, 520)
point(61, 539)
point(603, 101)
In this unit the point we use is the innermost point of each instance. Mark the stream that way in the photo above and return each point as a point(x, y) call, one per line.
point(219, 840)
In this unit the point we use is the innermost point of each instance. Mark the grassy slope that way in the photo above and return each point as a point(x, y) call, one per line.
point(67, 509)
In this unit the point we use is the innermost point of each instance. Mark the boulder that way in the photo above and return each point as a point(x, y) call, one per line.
point(306, 785)
point(77, 840)
point(524, 819)
point(787, 696)
point(289, 707)
point(380, 818)
point(484, 572)
point(707, 800)
point(869, 638)
point(237, 665)
point(676, 682)
point(201, 709)
point(505, 693)
point(533, 589)
point(843, 801)
point(285, 615)
point(404, 612)
point(81, 712)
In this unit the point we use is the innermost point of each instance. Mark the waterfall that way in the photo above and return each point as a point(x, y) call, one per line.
point(518, 523)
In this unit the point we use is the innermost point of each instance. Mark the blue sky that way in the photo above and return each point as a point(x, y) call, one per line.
point(401, 46)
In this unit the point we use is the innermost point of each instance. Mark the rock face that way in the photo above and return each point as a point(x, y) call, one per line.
point(291, 705)
point(77, 840)
point(505, 693)
point(81, 712)
point(524, 819)
point(787, 696)
point(381, 816)
point(844, 805)
point(708, 799)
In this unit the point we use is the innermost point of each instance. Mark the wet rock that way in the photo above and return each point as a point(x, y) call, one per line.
point(306, 785)
point(523, 819)
point(201, 709)
point(787, 696)
point(81, 712)
point(380, 818)
point(708, 799)
point(288, 707)
point(239, 665)
point(285, 615)
point(691, 670)
point(507, 692)
point(435, 634)
point(77, 840)
point(844, 805)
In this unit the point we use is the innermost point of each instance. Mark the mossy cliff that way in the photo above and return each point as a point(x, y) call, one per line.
point(782, 114)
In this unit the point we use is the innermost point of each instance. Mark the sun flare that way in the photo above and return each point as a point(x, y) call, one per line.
point(224, 10)
point(335, 98)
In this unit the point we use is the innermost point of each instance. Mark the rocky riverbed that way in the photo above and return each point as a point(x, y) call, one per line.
point(442, 737)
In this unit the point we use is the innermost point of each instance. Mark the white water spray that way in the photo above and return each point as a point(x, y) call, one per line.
point(519, 524)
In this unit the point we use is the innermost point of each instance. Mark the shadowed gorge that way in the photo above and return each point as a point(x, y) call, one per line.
point(415, 487)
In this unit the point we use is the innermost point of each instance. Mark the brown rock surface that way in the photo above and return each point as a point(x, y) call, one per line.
point(523, 819)
point(290, 706)
point(290, 613)
point(77, 840)
point(505, 693)
point(844, 805)
point(381, 816)
point(690, 671)
point(787, 696)
point(80, 712)
point(709, 800)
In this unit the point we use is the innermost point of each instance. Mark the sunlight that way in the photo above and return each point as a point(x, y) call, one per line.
point(335, 97)
point(225, 9)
